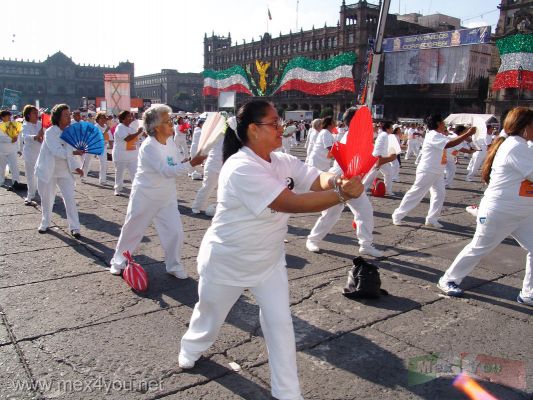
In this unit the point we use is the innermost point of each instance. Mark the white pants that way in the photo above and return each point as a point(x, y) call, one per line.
point(10, 160)
point(395, 169)
point(387, 170)
point(424, 182)
point(141, 212)
point(181, 142)
point(209, 184)
point(47, 191)
point(102, 159)
point(120, 168)
point(272, 296)
point(412, 148)
point(449, 172)
point(31, 179)
point(363, 216)
point(475, 163)
point(496, 227)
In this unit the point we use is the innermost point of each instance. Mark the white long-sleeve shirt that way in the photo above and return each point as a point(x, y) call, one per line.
point(157, 168)
point(30, 147)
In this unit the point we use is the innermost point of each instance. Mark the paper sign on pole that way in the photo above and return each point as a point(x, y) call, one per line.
point(226, 99)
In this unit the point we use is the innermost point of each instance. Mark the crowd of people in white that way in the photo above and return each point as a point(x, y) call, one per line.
point(260, 184)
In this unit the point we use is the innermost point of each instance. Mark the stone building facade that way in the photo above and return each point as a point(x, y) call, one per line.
point(181, 91)
point(516, 16)
point(357, 23)
point(57, 80)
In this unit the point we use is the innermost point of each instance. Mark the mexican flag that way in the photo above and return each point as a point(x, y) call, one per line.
point(233, 79)
point(516, 69)
point(319, 77)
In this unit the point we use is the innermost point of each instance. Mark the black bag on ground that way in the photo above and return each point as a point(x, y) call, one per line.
point(363, 281)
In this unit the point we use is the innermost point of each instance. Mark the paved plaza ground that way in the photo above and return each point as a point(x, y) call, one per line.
point(71, 330)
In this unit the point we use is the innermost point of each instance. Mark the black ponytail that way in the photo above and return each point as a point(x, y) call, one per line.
point(251, 112)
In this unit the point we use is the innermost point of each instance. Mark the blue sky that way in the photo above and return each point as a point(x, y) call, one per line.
point(169, 33)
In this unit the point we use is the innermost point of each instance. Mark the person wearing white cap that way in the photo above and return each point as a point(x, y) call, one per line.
point(506, 208)
point(153, 194)
point(430, 173)
point(360, 207)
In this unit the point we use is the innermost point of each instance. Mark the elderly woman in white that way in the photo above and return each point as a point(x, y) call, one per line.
point(54, 168)
point(153, 194)
point(30, 146)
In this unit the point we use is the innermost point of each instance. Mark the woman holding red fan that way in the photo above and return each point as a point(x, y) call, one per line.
point(243, 248)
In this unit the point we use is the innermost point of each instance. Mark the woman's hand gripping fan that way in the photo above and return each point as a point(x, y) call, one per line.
point(355, 157)
point(135, 275)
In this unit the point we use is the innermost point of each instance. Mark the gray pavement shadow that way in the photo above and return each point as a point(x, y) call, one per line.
point(432, 275)
point(295, 262)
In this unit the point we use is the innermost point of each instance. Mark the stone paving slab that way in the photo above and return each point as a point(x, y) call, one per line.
point(75, 324)
point(452, 327)
point(24, 268)
point(14, 382)
point(120, 353)
point(4, 337)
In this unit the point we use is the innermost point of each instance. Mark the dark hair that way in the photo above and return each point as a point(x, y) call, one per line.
point(101, 114)
point(56, 113)
point(348, 115)
point(327, 121)
point(122, 115)
point(386, 125)
point(251, 112)
point(459, 129)
point(433, 121)
point(514, 124)
point(396, 129)
point(26, 111)
point(3, 113)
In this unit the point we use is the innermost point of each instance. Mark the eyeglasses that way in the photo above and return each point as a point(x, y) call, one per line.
point(169, 122)
point(278, 124)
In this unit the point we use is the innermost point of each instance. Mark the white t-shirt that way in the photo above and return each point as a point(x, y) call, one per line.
point(311, 137)
point(244, 243)
point(319, 154)
point(122, 150)
point(30, 146)
point(433, 159)
point(213, 163)
point(512, 168)
point(157, 168)
point(381, 145)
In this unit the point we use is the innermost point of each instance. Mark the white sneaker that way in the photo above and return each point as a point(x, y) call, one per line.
point(524, 299)
point(115, 270)
point(313, 248)
point(396, 221)
point(184, 362)
point(195, 211)
point(211, 209)
point(472, 210)
point(180, 274)
point(434, 224)
point(370, 251)
point(450, 288)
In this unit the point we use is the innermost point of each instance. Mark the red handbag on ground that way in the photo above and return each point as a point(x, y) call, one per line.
point(135, 275)
point(378, 188)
